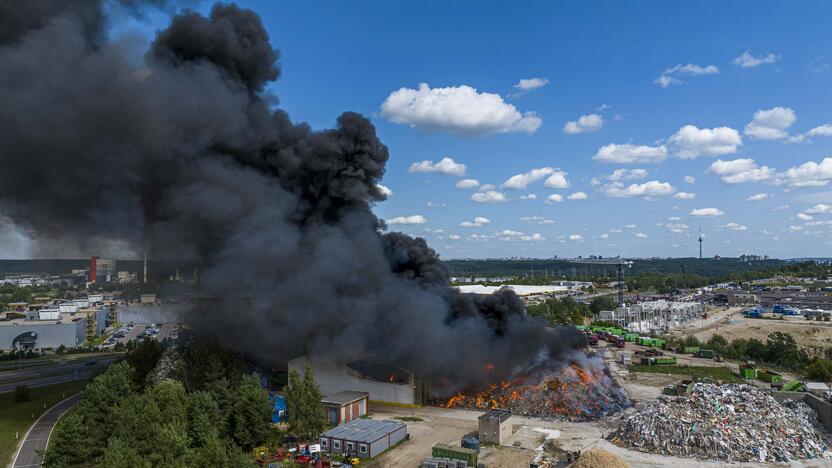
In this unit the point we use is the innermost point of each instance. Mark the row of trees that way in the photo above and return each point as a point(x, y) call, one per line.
point(128, 417)
point(780, 349)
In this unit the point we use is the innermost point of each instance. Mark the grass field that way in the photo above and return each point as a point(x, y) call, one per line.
point(721, 374)
point(17, 417)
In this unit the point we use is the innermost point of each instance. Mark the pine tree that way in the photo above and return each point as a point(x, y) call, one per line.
point(251, 413)
point(303, 402)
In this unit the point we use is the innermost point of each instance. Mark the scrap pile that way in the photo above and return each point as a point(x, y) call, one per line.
point(581, 390)
point(724, 422)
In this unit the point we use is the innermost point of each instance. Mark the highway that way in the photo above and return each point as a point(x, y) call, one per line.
point(37, 438)
point(59, 372)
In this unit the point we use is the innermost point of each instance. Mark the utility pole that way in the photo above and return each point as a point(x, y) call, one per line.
point(700, 241)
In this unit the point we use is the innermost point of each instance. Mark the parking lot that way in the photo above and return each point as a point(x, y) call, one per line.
point(137, 331)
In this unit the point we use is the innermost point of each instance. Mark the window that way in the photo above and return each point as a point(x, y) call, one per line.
point(324, 442)
point(336, 444)
point(362, 449)
point(350, 447)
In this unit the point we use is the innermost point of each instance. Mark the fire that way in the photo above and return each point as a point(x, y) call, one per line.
point(573, 392)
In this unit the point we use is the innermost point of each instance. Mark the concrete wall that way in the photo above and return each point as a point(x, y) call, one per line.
point(492, 431)
point(823, 408)
point(50, 335)
point(334, 378)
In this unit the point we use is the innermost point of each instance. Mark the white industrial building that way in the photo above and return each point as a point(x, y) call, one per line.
point(653, 315)
point(401, 387)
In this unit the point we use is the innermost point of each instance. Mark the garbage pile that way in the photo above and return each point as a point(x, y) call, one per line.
point(733, 423)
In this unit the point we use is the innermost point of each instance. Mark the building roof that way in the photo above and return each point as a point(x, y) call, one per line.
point(345, 397)
point(500, 414)
point(520, 290)
point(817, 386)
point(364, 430)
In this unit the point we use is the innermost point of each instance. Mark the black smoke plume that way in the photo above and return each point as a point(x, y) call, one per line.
point(179, 150)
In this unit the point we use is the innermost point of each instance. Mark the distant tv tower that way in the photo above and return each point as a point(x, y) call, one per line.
point(700, 242)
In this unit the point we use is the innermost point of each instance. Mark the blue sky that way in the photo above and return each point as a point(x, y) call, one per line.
point(732, 95)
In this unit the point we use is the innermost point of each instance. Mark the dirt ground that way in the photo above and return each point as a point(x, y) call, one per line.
point(731, 324)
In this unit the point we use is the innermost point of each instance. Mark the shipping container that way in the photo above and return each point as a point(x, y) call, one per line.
point(664, 360)
point(455, 453)
point(769, 376)
point(690, 349)
point(631, 337)
point(747, 372)
point(705, 353)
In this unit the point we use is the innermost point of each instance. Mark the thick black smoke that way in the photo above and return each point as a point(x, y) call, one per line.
point(178, 150)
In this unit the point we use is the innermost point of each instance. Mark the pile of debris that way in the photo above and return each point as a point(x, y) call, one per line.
point(734, 423)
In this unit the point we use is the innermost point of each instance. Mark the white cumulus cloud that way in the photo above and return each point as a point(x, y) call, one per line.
point(554, 198)
point(689, 179)
point(627, 174)
point(528, 84)
point(578, 196)
point(489, 196)
point(445, 165)
point(457, 109)
point(557, 180)
point(584, 124)
point(530, 196)
point(820, 208)
point(735, 227)
point(521, 181)
point(630, 154)
point(771, 124)
point(670, 76)
point(537, 220)
point(477, 222)
point(641, 235)
point(757, 197)
point(412, 219)
point(653, 188)
point(691, 141)
point(466, 184)
point(385, 190)
point(706, 212)
point(684, 196)
point(576, 237)
point(746, 60)
point(809, 174)
point(739, 171)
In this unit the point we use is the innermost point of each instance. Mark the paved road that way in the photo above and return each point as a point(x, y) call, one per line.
point(60, 372)
point(38, 436)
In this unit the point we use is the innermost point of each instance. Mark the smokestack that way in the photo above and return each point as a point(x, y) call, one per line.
point(145, 267)
point(93, 269)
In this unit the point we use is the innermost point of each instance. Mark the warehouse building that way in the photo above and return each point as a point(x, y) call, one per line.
point(396, 385)
point(51, 327)
point(363, 438)
point(346, 406)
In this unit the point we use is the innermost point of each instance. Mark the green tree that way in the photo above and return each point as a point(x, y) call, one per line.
point(251, 413)
point(218, 453)
point(204, 418)
point(602, 303)
point(71, 444)
point(172, 400)
point(819, 370)
point(121, 455)
point(100, 400)
point(143, 358)
point(306, 416)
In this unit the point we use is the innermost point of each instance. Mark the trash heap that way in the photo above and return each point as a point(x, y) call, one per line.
point(733, 423)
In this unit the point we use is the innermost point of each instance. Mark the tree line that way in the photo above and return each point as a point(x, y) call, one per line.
point(136, 415)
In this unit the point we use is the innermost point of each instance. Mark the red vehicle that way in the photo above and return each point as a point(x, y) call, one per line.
point(619, 342)
point(593, 340)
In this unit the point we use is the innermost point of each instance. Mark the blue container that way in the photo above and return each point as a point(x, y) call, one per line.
point(471, 443)
point(279, 414)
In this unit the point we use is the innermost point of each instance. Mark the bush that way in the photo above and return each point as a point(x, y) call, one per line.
point(21, 393)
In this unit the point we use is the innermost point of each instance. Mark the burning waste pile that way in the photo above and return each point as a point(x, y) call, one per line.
point(577, 390)
point(734, 423)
